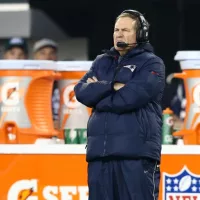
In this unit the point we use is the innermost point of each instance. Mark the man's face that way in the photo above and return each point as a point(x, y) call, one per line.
point(124, 32)
point(15, 53)
point(46, 53)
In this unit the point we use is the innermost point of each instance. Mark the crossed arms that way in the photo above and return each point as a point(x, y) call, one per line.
point(117, 97)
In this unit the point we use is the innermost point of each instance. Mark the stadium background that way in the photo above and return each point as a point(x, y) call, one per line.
point(174, 26)
point(83, 29)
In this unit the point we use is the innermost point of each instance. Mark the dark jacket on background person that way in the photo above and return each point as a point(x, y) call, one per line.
point(125, 123)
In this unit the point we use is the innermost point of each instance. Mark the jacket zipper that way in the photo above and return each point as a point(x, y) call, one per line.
point(105, 125)
point(119, 66)
point(105, 138)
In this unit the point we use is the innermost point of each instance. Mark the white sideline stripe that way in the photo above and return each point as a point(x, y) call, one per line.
point(80, 149)
point(42, 149)
point(154, 184)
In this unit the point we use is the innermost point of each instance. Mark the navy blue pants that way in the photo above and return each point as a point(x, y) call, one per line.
point(123, 180)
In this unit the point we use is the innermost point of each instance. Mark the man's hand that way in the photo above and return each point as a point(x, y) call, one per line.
point(92, 80)
point(118, 86)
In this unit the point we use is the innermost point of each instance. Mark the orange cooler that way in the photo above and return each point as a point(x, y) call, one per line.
point(190, 65)
point(25, 100)
point(73, 114)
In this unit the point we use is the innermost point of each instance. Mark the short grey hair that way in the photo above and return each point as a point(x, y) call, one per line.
point(132, 16)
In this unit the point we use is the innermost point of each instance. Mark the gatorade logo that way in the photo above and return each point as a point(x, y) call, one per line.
point(22, 190)
point(24, 194)
point(34, 191)
point(169, 121)
point(10, 93)
point(195, 105)
point(69, 98)
point(196, 95)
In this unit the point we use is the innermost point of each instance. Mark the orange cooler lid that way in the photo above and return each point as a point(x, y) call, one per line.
point(27, 65)
point(188, 59)
point(73, 65)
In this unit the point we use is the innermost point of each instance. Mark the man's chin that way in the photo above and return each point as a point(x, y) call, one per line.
point(120, 49)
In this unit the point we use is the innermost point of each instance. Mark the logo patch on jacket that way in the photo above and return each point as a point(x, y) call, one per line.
point(131, 67)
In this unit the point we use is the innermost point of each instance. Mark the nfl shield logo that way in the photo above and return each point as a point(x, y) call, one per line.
point(181, 186)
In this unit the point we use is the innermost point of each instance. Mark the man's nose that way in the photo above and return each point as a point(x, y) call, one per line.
point(119, 34)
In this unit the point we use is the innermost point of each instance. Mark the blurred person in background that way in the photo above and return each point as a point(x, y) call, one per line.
point(178, 106)
point(15, 49)
point(47, 49)
point(174, 98)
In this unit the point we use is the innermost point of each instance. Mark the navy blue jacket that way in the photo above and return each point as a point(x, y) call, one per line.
point(126, 123)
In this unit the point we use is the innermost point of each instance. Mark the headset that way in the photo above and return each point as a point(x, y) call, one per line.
point(142, 34)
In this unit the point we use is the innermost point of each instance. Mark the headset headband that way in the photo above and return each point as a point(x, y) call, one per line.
point(143, 32)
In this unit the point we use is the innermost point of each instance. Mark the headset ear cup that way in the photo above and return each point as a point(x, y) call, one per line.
point(139, 37)
point(145, 33)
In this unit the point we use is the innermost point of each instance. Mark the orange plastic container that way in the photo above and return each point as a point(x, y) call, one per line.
point(25, 100)
point(168, 111)
point(190, 65)
point(73, 115)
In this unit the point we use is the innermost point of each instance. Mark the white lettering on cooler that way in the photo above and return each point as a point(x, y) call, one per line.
point(74, 111)
point(83, 192)
point(68, 192)
point(10, 109)
point(48, 192)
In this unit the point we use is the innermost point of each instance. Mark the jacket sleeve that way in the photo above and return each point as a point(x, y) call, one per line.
point(90, 94)
point(147, 83)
